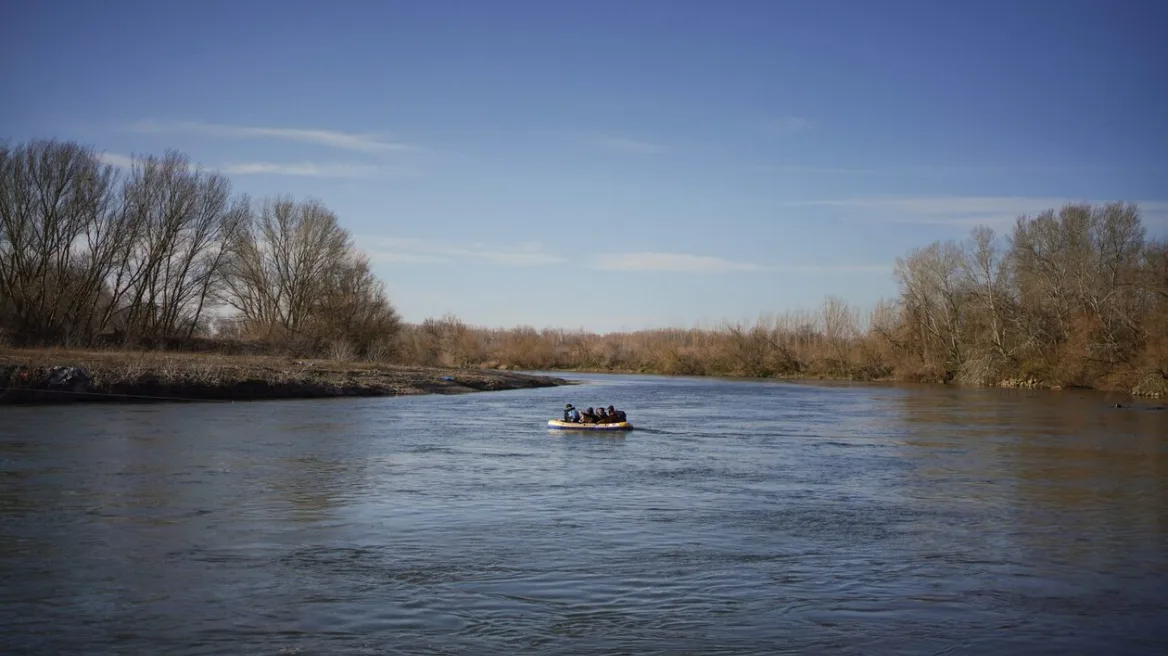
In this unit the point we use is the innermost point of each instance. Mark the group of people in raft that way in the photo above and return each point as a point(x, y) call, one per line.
point(600, 416)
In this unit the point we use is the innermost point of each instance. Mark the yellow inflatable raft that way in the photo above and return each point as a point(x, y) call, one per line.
point(568, 425)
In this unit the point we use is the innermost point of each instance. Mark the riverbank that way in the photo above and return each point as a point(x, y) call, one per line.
point(56, 376)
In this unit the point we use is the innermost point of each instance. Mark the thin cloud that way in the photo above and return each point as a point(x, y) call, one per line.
point(670, 262)
point(117, 160)
point(836, 268)
point(399, 257)
point(688, 263)
point(401, 250)
point(625, 145)
point(966, 211)
point(305, 169)
point(363, 142)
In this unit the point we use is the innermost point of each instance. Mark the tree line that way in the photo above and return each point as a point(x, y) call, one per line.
point(164, 254)
point(93, 255)
point(1074, 296)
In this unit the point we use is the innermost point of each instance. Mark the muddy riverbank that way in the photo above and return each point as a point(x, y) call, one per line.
point(55, 376)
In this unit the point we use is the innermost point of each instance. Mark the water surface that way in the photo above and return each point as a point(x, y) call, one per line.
point(746, 517)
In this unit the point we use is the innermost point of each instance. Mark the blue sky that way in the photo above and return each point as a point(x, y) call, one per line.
point(620, 165)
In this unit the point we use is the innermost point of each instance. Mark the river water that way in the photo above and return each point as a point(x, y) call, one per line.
point(741, 517)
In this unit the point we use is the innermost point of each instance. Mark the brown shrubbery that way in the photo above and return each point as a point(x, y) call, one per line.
point(830, 344)
point(163, 256)
point(1074, 297)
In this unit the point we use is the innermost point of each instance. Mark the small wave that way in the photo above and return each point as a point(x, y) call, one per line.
point(432, 448)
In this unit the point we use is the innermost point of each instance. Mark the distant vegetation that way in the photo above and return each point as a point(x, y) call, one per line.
point(93, 256)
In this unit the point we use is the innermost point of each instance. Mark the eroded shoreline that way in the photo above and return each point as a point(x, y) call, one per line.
point(51, 376)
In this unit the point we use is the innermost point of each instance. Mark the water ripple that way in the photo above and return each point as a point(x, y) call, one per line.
point(739, 517)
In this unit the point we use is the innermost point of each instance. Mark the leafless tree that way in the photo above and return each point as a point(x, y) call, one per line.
point(840, 332)
point(932, 297)
point(1153, 272)
point(280, 261)
point(987, 278)
point(53, 196)
point(294, 275)
point(352, 309)
point(181, 219)
point(1045, 251)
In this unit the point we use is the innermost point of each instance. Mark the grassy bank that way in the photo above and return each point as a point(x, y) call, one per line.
point(54, 376)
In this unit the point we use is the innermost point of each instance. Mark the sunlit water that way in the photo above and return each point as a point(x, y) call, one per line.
point(744, 517)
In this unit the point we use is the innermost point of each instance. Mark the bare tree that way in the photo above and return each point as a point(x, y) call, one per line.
point(352, 309)
point(1107, 284)
point(280, 263)
point(182, 218)
point(294, 275)
point(1046, 251)
point(51, 195)
point(1152, 276)
point(839, 330)
point(987, 277)
point(932, 297)
point(1076, 270)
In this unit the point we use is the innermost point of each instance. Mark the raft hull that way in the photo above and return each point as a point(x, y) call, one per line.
point(568, 425)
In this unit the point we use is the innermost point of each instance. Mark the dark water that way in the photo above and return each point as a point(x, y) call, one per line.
point(750, 518)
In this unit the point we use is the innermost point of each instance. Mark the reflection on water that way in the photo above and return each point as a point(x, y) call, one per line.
point(1060, 455)
point(746, 517)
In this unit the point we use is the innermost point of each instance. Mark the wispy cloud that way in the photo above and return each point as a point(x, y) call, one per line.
point(619, 144)
point(407, 250)
point(685, 262)
point(305, 169)
point(964, 211)
point(117, 159)
point(835, 268)
point(400, 250)
point(787, 125)
point(669, 262)
point(363, 142)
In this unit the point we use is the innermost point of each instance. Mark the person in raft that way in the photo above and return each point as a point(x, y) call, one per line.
point(611, 416)
point(616, 416)
point(590, 416)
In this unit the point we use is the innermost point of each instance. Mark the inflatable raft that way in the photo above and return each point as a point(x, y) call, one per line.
point(568, 425)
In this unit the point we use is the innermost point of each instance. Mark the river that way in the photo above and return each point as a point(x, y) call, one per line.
point(741, 517)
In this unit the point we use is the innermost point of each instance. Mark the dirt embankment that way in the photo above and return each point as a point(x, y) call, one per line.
point(52, 376)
